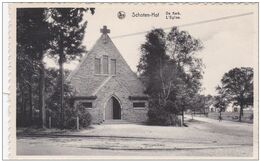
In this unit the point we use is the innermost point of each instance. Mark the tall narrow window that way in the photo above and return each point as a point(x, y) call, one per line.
point(113, 67)
point(105, 64)
point(97, 66)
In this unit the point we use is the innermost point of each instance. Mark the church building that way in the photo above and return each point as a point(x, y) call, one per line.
point(106, 86)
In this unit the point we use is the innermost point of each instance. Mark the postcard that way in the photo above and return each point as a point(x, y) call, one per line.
point(133, 80)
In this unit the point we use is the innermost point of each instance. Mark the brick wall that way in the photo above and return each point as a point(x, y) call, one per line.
point(124, 84)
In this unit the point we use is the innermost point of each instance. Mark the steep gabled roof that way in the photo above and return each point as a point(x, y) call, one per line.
point(81, 62)
point(86, 82)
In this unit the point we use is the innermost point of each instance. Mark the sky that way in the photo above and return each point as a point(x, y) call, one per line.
point(227, 43)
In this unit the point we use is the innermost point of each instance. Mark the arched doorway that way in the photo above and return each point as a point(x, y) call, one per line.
point(113, 109)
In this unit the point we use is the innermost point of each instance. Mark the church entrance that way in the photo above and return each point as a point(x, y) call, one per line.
point(113, 109)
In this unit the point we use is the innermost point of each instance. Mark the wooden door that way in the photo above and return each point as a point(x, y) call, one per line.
point(116, 109)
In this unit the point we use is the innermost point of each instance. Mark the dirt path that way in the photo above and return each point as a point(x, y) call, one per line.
point(201, 138)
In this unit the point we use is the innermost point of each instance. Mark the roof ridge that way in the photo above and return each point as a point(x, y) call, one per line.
point(122, 57)
point(83, 59)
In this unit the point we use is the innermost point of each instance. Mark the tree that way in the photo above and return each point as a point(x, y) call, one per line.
point(33, 39)
point(168, 79)
point(53, 95)
point(221, 104)
point(237, 87)
point(53, 102)
point(152, 61)
point(67, 27)
point(201, 103)
point(182, 48)
point(170, 69)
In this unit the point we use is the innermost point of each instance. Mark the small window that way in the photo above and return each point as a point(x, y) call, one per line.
point(105, 64)
point(86, 104)
point(97, 66)
point(139, 104)
point(113, 67)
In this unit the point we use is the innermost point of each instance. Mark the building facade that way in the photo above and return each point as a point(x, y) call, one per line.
point(106, 86)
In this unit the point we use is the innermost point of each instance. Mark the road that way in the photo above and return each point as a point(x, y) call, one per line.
point(202, 137)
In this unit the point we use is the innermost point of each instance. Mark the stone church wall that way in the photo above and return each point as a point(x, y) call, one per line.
point(124, 84)
point(114, 88)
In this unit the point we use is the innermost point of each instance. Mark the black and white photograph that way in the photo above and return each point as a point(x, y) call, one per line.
point(135, 80)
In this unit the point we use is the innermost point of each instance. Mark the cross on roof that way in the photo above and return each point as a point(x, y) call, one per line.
point(104, 30)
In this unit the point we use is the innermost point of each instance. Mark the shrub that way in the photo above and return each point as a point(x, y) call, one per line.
point(70, 112)
point(158, 116)
point(84, 116)
point(70, 117)
point(164, 116)
point(172, 107)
